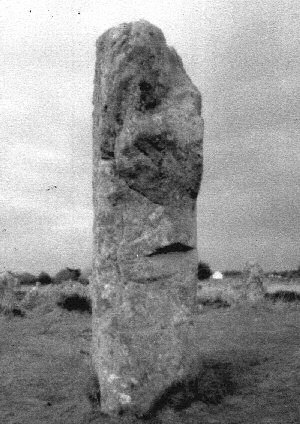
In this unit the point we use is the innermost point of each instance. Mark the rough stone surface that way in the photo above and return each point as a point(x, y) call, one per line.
point(253, 281)
point(8, 285)
point(147, 158)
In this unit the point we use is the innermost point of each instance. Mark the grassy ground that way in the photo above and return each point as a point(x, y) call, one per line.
point(248, 368)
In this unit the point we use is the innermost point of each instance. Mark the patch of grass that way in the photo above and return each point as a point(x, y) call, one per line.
point(67, 295)
point(17, 312)
point(216, 302)
point(44, 359)
point(283, 296)
point(216, 296)
point(13, 312)
point(75, 302)
point(20, 294)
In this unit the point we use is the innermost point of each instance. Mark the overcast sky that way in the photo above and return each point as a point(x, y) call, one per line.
point(242, 55)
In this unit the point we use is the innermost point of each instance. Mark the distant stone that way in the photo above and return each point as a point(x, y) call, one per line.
point(8, 285)
point(9, 279)
point(253, 281)
point(147, 154)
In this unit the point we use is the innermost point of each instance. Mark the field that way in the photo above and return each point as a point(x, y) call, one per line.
point(248, 368)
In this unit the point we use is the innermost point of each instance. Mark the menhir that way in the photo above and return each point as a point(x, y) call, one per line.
point(147, 158)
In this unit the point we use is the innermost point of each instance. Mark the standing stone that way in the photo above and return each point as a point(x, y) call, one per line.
point(8, 285)
point(147, 160)
point(253, 281)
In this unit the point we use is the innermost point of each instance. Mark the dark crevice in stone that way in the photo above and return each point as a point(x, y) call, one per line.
point(142, 193)
point(106, 155)
point(119, 119)
point(150, 280)
point(171, 248)
point(145, 87)
point(107, 137)
point(193, 193)
point(148, 98)
point(158, 142)
point(156, 147)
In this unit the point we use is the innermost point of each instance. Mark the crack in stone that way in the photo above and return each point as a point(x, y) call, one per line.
point(171, 248)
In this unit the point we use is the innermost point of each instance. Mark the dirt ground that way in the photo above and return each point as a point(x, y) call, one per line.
point(45, 374)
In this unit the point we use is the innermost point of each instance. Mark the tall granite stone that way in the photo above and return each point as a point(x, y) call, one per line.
point(147, 159)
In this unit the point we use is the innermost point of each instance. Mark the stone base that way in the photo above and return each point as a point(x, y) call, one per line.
point(136, 366)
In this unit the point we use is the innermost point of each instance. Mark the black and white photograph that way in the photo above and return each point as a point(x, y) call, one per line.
point(150, 212)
